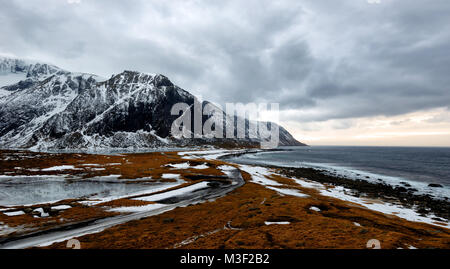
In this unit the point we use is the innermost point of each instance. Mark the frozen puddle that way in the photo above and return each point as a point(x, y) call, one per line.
point(49, 189)
point(148, 191)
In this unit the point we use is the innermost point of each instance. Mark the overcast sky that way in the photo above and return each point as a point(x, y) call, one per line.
point(344, 72)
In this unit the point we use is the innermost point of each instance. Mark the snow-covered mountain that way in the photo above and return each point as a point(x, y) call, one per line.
point(45, 107)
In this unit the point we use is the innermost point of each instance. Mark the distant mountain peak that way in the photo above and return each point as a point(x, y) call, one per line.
point(40, 70)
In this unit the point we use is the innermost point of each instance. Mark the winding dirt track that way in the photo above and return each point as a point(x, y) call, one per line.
point(63, 234)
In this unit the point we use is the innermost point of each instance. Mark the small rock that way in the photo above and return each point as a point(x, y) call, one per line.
point(401, 189)
point(434, 185)
point(27, 210)
point(168, 220)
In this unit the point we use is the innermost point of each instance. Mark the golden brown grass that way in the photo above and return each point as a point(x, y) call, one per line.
point(234, 221)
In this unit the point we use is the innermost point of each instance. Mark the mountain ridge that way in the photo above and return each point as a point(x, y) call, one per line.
point(52, 108)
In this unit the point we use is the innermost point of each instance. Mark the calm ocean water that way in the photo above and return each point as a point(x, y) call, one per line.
point(416, 166)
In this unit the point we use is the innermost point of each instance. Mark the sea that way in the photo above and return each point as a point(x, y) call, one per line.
point(398, 166)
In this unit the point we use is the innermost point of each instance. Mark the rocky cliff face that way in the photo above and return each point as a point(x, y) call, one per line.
point(50, 108)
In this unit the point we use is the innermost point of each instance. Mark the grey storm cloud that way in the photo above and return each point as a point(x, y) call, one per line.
point(344, 59)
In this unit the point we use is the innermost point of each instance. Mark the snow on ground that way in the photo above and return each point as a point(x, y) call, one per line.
point(227, 170)
point(291, 192)
point(259, 175)
point(14, 213)
point(314, 209)
point(179, 166)
point(357, 224)
point(41, 212)
point(60, 168)
point(188, 157)
point(106, 178)
point(307, 184)
point(277, 223)
point(200, 167)
point(386, 208)
point(177, 192)
point(341, 193)
point(170, 176)
point(61, 207)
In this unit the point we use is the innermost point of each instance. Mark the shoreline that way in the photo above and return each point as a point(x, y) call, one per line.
point(402, 195)
point(288, 210)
